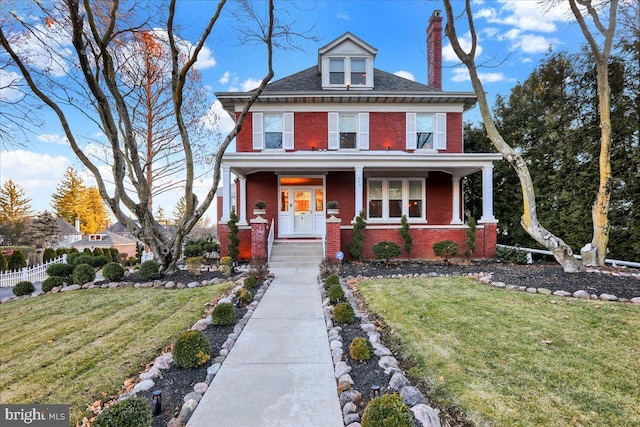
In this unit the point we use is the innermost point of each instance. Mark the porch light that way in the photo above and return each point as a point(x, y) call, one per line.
point(313, 148)
point(388, 147)
point(375, 390)
point(157, 402)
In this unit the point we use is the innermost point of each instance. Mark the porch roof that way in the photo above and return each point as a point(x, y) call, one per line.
point(457, 164)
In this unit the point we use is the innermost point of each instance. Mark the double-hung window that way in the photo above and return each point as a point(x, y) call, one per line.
point(348, 128)
point(391, 198)
point(272, 131)
point(336, 71)
point(358, 72)
point(424, 131)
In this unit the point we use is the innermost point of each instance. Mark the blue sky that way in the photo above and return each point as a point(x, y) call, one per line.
point(519, 33)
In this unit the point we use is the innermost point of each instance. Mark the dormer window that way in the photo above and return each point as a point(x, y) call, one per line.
point(346, 73)
point(358, 72)
point(347, 63)
point(336, 71)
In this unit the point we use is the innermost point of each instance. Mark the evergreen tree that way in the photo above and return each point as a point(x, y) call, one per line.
point(67, 199)
point(95, 215)
point(406, 236)
point(42, 230)
point(357, 241)
point(3, 263)
point(234, 242)
point(179, 211)
point(16, 260)
point(14, 205)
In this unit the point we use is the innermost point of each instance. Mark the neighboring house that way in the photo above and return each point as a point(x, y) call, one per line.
point(106, 240)
point(372, 141)
point(68, 234)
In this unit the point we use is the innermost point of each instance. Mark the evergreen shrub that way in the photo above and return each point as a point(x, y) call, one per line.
point(446, 249)
point(100, 261)
point(113, 272)
point(512, 255)
point(149, 269)
point(3, 263)
point(16, 260)
point(251, 282)
point(60, 270)
point(135, 412)
point(23, 288)
point(332, 281)
point(51, 282)
point(49, 254)
point(360, 349)
point(343, 313)
point(386, 411)
point(244, 296)
point(223, 314)
point(192, 349)
point(386, 250)
point(83, 273)
point(97, 252)
point(335, 293)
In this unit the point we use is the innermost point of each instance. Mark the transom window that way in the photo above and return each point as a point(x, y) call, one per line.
point(348, 128)
point(273, 130)
point(390, 198)
point(424, 131)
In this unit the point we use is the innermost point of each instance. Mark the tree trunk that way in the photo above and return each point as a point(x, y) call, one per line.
point(560, 250)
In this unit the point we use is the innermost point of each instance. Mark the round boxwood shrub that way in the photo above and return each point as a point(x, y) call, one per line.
point(149, 270)
point(98, 252)
point(113, 272)
point(244, 296)
point(385, 411)
point(192, 349)
point(83, 273)
point(446, 249)
point(251, 282)
point(335, 293)
point(332, 281)
point(23, 288)
point(82, 258)
point(360, 349)
point(48, 255)
point(223, 314)
point(51, 282)
point(134, 412)
point(343, 313)
point(60, 270)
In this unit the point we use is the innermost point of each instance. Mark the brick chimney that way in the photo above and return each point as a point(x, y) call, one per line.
point(434, 50)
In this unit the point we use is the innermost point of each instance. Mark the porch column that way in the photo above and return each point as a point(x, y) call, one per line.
point(242, 203)
point(487, 194)
point(359, 170)
point(455, 212)
point(226, 193)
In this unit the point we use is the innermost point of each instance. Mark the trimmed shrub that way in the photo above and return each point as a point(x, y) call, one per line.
point(193, 250)
point(87, 251)
point(335, 293)
point(386, 250)
point(72, 257)
point(114, 254)
point(83, 273)
point(223, 314)
point(3, 263)
point(135, 412)
point(406, 236)
point(60, 270)
point(97, 252)
point(61, 251)
point(149, 269)
point(107, 255)
point(100, 261)
point(48, 255)
point(23, 288)
point(211, 247)
point(360, 349)
point(51, 282)
point(113, 272)
point(343, 313)
point(386, 411)
point(512, 255)
point(16, 260)
point(332, 281)
point(251, 282)
point(244, 296)
point(358, 236)
point(446, 249)
point(81, 258)
point(192, 349)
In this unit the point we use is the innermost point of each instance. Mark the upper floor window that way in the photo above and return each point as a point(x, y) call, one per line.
point(348, 127)
point(348, 130)
point(391, 198)
point(273, 130)
point(424, 131)
point(336, 71)
point(358, 72)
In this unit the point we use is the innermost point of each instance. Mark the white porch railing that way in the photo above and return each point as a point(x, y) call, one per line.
point(530, 251)
point(31, 274)
point(270, 239)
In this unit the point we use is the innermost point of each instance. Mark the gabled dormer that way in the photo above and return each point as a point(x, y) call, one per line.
point(347, 63)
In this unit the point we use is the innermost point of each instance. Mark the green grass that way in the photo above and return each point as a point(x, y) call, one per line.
point(516, 359)
point(78, 347)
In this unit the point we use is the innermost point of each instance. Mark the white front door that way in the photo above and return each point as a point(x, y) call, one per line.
point(301, 212)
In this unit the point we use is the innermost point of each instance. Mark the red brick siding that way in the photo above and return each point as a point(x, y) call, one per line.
point(263, 186)
point(244, 139)
point(340, 186)
point(387, 130)
point(311, 130)
point(454, 133)
point(439, 194)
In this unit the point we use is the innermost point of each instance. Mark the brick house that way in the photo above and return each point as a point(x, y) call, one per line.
point(345, 131)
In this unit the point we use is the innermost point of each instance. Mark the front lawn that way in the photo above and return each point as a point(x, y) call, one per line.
point(515, 359)
point(77, 347)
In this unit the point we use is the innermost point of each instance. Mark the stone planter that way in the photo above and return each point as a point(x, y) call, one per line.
point(259, 212)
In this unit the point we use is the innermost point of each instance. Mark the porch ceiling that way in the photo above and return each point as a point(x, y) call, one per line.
point(459, 165)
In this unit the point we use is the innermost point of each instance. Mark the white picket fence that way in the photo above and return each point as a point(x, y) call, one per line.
point(31, 274)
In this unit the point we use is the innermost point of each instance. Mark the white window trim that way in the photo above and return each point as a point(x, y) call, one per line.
point(439, 132)
point(405, 200)
point(362, 131)
point(288, 127)
point(326, 81)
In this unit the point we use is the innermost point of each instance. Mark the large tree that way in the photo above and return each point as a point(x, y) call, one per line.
point(42, 230)
point(95, 32)
point(15, 209)
point(529, 220)
point(600, 52)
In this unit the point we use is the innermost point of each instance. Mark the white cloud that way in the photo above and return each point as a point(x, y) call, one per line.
point(343, 16)
point(461, 74)
point(9, 82)
point(53, 138)
point(406, 75)
point(530, 43)
point(218, 119)
point(225, 78)
point(250, 84)
point(449, 55)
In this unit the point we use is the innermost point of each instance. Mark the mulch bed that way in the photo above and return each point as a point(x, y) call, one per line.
point(546, 275)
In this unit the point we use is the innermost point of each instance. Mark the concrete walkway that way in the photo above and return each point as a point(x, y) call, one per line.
point(279, 373)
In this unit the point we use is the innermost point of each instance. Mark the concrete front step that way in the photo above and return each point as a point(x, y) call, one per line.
point(303, 252)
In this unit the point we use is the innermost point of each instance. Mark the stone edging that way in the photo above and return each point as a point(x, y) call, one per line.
point(165, 360)
point(426, 415)
point(485, 278)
